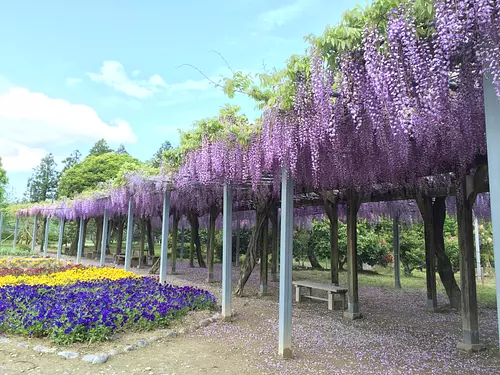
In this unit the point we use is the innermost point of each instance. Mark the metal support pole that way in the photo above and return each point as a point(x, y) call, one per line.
point(286, 255)
point(46, 237)
point(33, 243)
point(130, 234)
point(104, 242)
point(81, 241)
point(492, 114)
point(60, 239)
point(227, 246)
point(16, 232)
point(478, 249)
point(164, 237)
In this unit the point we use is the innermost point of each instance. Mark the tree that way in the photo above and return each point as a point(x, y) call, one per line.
point(3, 182)
point(101, 147)
point(71, 160)
point(42, 185)
point(158, 157)
point(121, 150)
point(92, 171)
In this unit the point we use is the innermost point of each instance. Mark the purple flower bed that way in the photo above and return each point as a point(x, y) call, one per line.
point(93, 311)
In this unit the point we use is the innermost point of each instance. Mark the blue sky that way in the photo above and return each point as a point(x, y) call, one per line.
point(74, 72)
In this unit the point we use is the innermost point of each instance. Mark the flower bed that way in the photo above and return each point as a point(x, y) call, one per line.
point(94, 310)
point(33, 266)
point(70, 275)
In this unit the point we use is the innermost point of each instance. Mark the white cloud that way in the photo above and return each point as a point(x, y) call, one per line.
point(280, 16)
point(31, 122)
point(73, 81)
point(113, 74)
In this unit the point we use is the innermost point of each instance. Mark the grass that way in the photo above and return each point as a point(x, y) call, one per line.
point(6, 251)
point(384, 277)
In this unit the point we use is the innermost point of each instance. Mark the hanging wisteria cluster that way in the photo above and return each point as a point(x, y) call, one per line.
point(405, 107)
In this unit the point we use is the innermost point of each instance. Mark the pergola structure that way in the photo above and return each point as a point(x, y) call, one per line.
point(320, 145)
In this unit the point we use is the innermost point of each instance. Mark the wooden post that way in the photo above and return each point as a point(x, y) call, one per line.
point(352, 263)
point(130, 234)
point(332, 211)
point(397, 266)
point(470, 325)
point(104, 239)
point(33, 243)
point(213, 213)
point(264, 259)
point(164, 237)
point(81, 241)
point(16, 232)
point(286, 256)
point(46, 237)
point(274, 243)
point(425, 207)
point(237, 247)
point(60, 239)
point(227, 246)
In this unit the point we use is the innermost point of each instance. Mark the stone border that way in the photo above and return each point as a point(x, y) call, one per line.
point(100, 358)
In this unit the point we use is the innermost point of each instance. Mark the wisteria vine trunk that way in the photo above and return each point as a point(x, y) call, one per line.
point(263, 208)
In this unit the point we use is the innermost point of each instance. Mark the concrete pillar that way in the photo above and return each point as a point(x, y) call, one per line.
point(46, 237)
point(164, 237)
point(33, 243)
point(286, 257)
point(470, 326)
point(104, 242)
point(182, 243)
point(60, 239)
point(478, 249)
point(81, 241)
point(397, 266)
point(352, 263)
point(227, 246)
point(130, 234)
point(16, 233)
point(492, 114)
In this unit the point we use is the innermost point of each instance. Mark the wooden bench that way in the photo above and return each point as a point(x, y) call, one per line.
point(329, 288)
point(151, 260)
point(120, 259)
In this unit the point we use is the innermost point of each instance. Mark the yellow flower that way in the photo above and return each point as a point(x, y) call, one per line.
point(68, 277)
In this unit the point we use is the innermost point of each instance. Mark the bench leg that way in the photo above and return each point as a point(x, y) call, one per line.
point(344, 301)
point(330, 301)
point(297, 293)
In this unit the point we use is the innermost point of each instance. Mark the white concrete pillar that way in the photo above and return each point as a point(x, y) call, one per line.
point(33, 243)
point(81, 241)
point(164, 237)
point(130, 234)
point(286, 257)
point(60, 239)
point(1, 227)
point(46, 237)
point(492, 114)
point(104, 242)
point(227, 246)
point(16, 232)
point(478, 249)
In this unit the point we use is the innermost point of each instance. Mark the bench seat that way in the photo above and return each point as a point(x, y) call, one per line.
point(331, 290)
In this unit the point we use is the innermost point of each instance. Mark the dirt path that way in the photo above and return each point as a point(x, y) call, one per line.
point(396, 336)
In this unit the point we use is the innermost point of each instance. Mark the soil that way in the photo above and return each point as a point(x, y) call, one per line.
point(396, 336)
